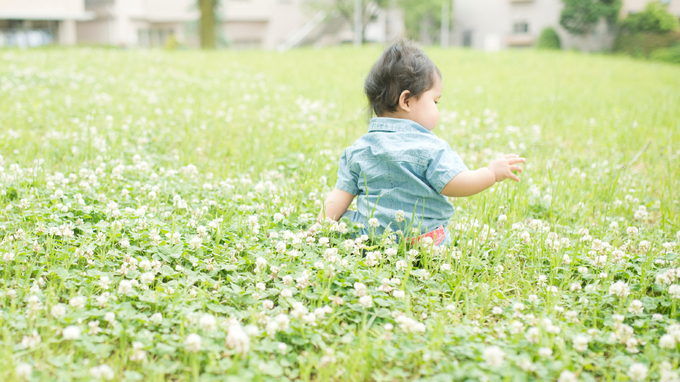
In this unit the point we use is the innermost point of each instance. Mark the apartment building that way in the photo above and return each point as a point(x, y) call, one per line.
point(27, 23)
point(500, 24)
point(148, 23)
point(265, 24)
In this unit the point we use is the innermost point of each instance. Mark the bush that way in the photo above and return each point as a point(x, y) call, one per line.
point(642, 44)
point(671, 55)
point(654, 19)
point(549, 39)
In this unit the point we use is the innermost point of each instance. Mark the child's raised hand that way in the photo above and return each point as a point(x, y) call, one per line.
point(503, 167)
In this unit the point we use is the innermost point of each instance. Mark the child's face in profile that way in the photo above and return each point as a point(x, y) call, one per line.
point(424, 109)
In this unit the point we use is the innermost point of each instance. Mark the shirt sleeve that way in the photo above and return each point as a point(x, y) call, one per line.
point(444, 165)
point(347, 180)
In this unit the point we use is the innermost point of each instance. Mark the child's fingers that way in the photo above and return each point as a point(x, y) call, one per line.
point(516, 160)
point(516, 168)
point(514, 177)
point(508, 156)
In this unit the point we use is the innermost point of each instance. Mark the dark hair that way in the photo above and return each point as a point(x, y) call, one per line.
point(402, 66)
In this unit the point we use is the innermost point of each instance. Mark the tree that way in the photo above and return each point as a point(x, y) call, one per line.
point(654, 19)
point(580, 17)
point(422, 19)
point(345, 8)
point(207, 23)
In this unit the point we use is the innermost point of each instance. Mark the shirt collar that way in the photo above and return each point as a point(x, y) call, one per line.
point(396, 125)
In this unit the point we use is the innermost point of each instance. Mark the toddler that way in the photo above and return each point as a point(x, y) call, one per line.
point(400, 170)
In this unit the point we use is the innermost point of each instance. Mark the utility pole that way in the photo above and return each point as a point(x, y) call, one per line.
point(358, 23)
point(444, 37)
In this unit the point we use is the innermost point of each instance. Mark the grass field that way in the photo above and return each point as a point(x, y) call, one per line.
point(156, 207)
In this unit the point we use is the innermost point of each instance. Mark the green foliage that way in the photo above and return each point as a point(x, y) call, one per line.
point(346, 8)
point(643, 43)
point(654, 19)
point(422, 18)
point(549, 39)
point(579, 17)
point(671, 55)
point(156, 205)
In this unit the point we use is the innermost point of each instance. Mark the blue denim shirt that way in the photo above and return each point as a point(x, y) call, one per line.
point(399, 165)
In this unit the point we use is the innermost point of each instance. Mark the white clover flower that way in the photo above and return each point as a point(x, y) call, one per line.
point(409, 325)
point(497, 310)
point(208, 322)
point(138, 354)
point(286, 293)
point(58, 311)
point(674, 291)
point(619, 289)
point(268, 304)
point(532, 335)
point(518, 307)
point(71, 333)
point(193, 343)
point(373, 222)
point(260, 264)
point(124, 287)
point(359, 289)
point(544, 352)
point(493, 356)
point(580, 343)
point(156, 318)
point(147, 278)
point(667, 341)
point(23, 370)
point(567, 376)
point(645, 245)
point(195, 243)
point(102, 372)
point(237, 338)
point(398, 293)
point(401, 264)
point(366, 301)
point(637, 372)
point(31, 341)
point(635, 307)
point(657, 317)
point(110, 317)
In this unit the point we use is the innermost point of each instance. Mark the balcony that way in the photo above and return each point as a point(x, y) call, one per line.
point(519, 40)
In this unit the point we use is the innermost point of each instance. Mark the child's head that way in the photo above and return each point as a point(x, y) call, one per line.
point(405, 83)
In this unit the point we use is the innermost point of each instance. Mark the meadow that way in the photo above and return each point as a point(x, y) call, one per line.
point(158, 210)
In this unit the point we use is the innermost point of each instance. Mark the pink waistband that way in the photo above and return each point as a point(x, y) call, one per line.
point(438, 236)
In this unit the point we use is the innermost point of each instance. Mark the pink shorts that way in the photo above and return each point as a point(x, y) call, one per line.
point(438, 236)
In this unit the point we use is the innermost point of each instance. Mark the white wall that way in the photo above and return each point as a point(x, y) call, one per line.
point(493, 20)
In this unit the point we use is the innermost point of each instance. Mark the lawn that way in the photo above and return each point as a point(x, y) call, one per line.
point(156, 213)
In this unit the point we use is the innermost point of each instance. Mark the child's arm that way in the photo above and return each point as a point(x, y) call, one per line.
point(468, 182)
point(336, 204)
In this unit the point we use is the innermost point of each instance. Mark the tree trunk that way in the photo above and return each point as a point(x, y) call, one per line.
point(207, 23)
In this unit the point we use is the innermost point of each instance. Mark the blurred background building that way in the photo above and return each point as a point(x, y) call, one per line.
point(26, 23)
point(489, 25)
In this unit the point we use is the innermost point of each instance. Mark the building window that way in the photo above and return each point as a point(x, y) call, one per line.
point(521, 27)
point(153, 38)
point(467, 38)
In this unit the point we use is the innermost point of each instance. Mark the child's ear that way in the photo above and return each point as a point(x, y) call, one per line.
point(404, 100)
